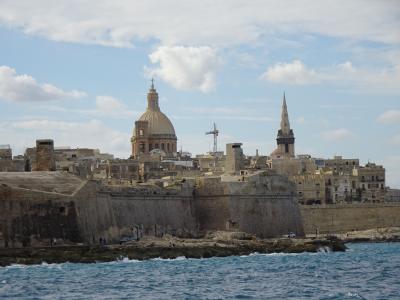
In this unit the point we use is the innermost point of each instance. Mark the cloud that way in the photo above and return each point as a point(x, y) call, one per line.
point(121, 23)
point(339, 134)
point(343, 74)
point(186, 68)
point(390, 117)
point(20, 88)
point(226, 113)
point(291, 73)
point(107, 103)
point(92, 134)
point(106, 106)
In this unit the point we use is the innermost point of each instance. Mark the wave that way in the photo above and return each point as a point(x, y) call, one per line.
point(170, 259)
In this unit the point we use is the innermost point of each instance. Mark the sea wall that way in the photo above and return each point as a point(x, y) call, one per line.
point(116, 213)
point(262, 205)
point(33, 218)
point(335, 218)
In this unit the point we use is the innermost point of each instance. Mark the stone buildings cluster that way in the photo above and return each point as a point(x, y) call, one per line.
point(155, 158)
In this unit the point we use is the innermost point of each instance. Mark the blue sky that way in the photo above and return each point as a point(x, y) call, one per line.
point(78, 72)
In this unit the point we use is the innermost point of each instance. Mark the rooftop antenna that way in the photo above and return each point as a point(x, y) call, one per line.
point(214, 132)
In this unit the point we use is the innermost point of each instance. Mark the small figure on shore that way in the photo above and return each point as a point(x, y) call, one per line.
point(100, 241)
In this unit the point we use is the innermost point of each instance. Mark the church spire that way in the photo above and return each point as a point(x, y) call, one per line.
point(285, 125)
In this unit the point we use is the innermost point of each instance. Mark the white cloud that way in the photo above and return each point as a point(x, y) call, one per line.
point(344, 74)
point(339, 134)
point(226, 22)
point(108, 103)
point(347, 67)
point(291, 73)
point(92, 134)
point(186, 68)
point(106, 106)
point(14, 87)
point(390, 117)
point(238, 113)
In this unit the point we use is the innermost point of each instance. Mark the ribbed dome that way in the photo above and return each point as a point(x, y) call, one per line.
point(158, 122)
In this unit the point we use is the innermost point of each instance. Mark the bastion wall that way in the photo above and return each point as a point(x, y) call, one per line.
point(33, 218)
point(336, 218)
point(264, 205)
point(38, 207)
point(116, 213)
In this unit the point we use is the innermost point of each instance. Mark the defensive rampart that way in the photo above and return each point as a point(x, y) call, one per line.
point(39, 208)
point(264, 204)
point(336, 218)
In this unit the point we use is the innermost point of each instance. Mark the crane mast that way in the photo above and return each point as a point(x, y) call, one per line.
point(214, 132)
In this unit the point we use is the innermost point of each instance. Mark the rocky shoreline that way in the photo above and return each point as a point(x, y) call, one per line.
point(219, 245)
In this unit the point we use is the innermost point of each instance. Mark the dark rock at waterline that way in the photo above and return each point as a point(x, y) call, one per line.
point(163, 248)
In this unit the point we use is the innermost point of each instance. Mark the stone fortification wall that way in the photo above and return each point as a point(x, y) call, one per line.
point(264, 204)
point(335, 218)
point(40, 206)
point(33, 218)
point(116, 213)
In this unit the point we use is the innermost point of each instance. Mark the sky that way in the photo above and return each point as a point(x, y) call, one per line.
point(78, 72)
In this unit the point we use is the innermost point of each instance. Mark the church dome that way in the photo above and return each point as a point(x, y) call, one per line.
point(158, 123)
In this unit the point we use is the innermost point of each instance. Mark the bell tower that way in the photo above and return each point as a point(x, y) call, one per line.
point(285, 138)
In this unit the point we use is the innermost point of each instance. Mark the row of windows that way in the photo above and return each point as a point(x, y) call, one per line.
point(165, 147)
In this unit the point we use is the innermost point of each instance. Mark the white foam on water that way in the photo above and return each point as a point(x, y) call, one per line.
point(127, 260)
point(170, 259)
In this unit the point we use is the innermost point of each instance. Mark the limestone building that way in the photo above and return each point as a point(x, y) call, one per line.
point(285, 138)
point(45, 155)
point(153, 131)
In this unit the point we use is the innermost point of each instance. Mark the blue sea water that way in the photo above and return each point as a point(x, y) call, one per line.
point(365, 271)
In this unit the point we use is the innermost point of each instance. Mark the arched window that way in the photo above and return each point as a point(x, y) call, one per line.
point(162, 146)
point(156, 146)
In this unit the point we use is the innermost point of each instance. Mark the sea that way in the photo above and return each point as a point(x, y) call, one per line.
point(365, 271)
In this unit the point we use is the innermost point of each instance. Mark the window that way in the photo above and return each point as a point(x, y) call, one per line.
point(156, 146)
point(141, 147)
point(162, 146)
point(141, 132)
point(168, 147)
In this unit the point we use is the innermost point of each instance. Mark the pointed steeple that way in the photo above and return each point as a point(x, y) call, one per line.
point(152, 98)
point(285, 125)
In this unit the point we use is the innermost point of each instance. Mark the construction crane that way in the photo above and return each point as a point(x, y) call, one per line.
point(214, 132)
